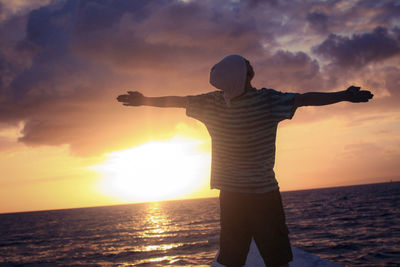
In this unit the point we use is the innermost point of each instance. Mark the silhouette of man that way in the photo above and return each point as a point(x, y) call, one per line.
point(242, 122)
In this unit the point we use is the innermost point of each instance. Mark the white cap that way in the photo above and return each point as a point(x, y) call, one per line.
point(229, 75)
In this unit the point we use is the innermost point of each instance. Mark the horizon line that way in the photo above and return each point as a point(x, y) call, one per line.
point(397, 180)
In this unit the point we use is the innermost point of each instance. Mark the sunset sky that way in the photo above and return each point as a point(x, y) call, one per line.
point(66, 142)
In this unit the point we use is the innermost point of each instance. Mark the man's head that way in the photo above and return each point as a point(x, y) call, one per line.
point(232, 75)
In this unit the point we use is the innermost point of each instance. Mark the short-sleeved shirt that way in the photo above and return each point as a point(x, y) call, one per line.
point(243, 136)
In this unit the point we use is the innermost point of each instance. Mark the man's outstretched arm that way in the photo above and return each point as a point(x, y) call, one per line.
point(352, 94)
point(138, 99)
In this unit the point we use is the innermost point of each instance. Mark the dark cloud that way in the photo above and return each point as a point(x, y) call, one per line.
point(169, 35)
point(359, 50)
point(286, 70)
point(257, 3)
point(319, 21)
point(396, 31)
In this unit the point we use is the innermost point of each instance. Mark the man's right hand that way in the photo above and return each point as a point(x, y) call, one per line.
point(355, 95)
point(131, 99)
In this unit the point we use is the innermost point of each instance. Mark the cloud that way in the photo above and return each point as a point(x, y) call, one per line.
point(392, 80)
point(318, 21)
point(75, 51)
point(290, 71)
point(19, 7)
point(62, 63)
point(374, 160)
point(167, 37)
point(383, 13)
point(359, 50)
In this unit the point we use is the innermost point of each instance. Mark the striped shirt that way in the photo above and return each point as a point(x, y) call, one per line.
point(243, 136)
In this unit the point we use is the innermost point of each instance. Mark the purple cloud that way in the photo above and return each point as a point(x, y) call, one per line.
point(359, 50)
point(290, 71)
point(319, 21)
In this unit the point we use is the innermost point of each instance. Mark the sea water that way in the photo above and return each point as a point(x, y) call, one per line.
point(354, 225)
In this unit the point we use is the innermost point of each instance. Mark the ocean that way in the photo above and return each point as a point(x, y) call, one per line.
point(353, 226)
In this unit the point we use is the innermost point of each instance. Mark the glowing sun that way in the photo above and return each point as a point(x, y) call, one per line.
point(158, 170)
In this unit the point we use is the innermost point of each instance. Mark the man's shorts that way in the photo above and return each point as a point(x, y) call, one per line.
point(260, 216)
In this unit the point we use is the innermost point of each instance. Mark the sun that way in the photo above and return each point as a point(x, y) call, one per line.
point(155, 171)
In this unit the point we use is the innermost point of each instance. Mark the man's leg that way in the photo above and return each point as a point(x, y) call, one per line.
point(235, 237)
point(269, 229)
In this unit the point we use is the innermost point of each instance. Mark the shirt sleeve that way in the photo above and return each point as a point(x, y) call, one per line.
point(198, 106)
point(282, 104)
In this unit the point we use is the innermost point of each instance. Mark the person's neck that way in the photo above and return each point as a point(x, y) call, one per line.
point(246, 89)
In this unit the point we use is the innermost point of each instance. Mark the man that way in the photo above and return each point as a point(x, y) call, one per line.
point(242, 122)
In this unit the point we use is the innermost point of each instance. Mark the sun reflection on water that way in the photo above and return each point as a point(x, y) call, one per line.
point(158, 227)
point(156, 220)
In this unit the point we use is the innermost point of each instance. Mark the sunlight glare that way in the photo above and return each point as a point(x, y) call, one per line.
point(157, 170)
